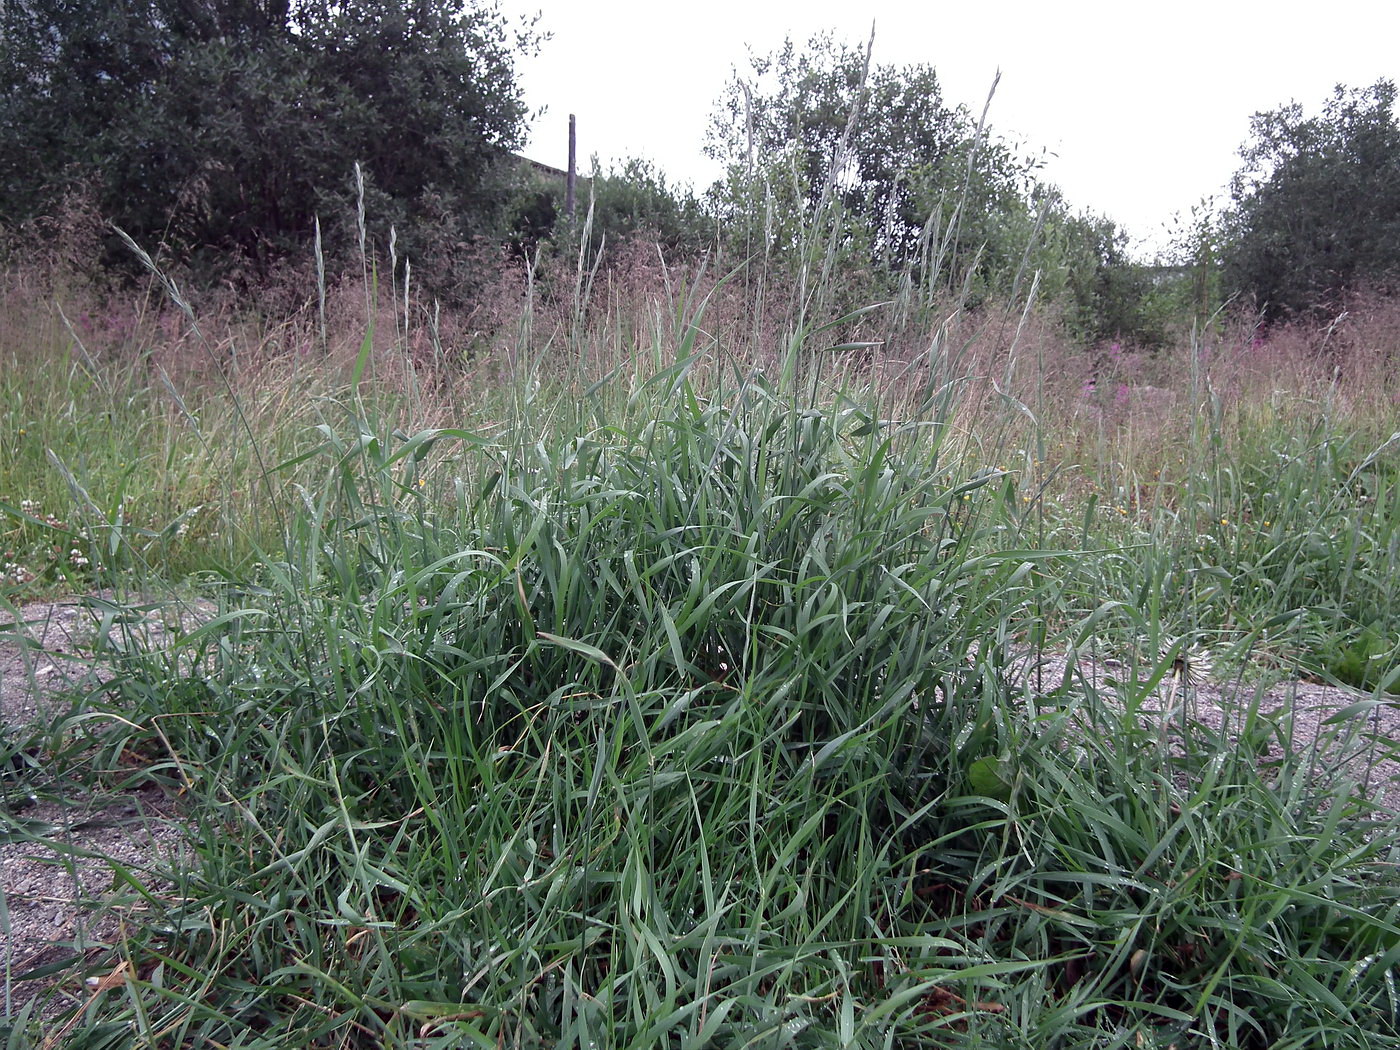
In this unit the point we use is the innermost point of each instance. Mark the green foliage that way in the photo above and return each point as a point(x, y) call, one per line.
point(727, 639)
point(1270, 542)
point(220, 131)
point(630, 200)
point(908, 183)
point(1107, 295)
point(862, 172)
point(1367, 660)
point(692, 720)
point(1316, 207)
point(696, 707)
point(1196, 291)
point(636, 198)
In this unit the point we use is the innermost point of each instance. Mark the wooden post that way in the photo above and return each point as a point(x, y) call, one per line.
point(573, 171)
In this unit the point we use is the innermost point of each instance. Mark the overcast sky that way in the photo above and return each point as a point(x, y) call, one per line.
point(1141, 106)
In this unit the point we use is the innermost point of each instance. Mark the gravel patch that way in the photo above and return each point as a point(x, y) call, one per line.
point(62, 898)
point(1304, 709)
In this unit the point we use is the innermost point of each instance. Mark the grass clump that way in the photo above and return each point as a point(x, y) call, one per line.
point(658, 712)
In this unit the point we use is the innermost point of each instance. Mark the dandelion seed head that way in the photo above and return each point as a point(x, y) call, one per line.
point(1191, 665)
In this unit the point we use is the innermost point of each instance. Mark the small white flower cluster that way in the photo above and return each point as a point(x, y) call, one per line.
point(77, 558)
point(15, 574)
point(29, 506)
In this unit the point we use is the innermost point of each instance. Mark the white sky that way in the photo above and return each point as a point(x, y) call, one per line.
point(1143, 103)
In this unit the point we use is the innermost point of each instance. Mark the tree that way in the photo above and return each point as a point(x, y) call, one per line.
point(635, 198)
point(824, 127)
point(1316, 206)
point(1107, 296)
point(222, 128)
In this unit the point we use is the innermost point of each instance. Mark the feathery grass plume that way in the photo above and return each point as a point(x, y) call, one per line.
point(320, 283)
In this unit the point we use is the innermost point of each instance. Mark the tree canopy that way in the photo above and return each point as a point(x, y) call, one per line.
point(822, 123)
point(222, 128)
point(1316, 206)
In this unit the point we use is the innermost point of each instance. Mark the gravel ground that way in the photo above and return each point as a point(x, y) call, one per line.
point(1307, 706)
point(62, 900)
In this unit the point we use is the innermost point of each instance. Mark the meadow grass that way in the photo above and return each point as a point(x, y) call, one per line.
point(645, 687)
